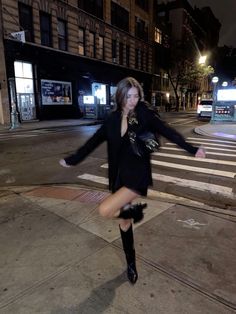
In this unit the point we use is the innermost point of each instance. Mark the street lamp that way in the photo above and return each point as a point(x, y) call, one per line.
point(202, 60)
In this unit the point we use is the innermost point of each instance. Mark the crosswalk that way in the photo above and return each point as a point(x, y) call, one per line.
point(175, 170)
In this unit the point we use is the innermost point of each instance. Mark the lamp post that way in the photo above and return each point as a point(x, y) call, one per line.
point(14, 113)
point(214, 80)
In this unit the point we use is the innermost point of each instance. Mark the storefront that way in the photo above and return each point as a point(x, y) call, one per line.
point(51, 84)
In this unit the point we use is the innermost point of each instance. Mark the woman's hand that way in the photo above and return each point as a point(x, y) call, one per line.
point(63, 163)
point(201, 153)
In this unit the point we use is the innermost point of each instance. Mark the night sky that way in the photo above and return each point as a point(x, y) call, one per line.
point(225, 12)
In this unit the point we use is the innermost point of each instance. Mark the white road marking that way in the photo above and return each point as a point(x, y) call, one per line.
point(211, 140)
point(194, 169)
point(196, 185)
point(207, 148)
point(215, 161)
point(211, 144)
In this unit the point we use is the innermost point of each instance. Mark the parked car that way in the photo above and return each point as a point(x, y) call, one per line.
point(204, 108)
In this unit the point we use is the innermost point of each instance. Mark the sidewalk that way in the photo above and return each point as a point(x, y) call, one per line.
point(59, 256)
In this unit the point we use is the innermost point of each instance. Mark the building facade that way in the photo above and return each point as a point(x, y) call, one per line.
point(191, 33)
point(62, 59)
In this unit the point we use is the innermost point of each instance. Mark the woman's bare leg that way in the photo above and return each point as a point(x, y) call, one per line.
point(111, 206)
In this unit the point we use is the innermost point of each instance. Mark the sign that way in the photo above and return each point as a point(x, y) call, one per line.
point(56, 92)
point(19, 36)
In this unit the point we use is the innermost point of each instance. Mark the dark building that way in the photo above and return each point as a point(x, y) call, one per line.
point(62, 59)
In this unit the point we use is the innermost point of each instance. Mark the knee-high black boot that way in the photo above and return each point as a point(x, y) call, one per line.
point(134, 211)
point(128, 246)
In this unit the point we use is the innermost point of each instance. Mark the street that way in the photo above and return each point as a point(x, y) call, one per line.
point(31, 158)
point(59, 256)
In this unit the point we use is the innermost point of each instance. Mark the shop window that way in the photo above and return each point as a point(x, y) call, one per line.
point(62, 34)
point(91, 45)
point(25, 90)
point(119, 17)
point(26, 21)
point(45, 29)
point(94, 7)
point(81, 41)
point(141, 29)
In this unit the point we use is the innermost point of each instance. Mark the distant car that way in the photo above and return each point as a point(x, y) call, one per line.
point(204, 108)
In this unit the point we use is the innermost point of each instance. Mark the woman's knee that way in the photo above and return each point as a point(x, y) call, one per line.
point(105, 210)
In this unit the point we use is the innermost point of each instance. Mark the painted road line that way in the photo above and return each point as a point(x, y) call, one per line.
point(211, 144)
point(196, 185)
point(189, 168)
point(215, 161)
point(194, 169)
point(211, 140)
point(206, 147)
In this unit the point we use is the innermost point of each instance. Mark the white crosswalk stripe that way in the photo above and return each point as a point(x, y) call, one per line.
point(172, 157)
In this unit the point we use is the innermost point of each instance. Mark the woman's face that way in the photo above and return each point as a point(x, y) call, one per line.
point(131, 100)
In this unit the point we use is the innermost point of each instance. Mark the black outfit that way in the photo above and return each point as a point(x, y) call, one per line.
point(126, 168)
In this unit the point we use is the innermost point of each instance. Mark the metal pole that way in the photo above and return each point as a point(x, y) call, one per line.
point(14, 113)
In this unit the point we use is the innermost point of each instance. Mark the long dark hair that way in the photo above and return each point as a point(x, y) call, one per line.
point(122, 90)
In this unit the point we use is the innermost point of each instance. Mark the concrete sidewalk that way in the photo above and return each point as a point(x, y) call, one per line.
point(59, 256)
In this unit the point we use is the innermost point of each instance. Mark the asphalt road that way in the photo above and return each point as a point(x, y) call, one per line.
point(31, 158)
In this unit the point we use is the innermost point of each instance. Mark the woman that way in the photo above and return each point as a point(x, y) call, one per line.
point(129, 171)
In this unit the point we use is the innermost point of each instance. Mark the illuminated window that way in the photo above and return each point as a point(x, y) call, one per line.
point(158, 35)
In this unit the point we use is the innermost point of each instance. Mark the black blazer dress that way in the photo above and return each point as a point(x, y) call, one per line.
point(124, 167)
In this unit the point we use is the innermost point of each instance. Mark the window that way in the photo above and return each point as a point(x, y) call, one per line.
point(127, 52)
point(158, 35)
point(142, 4)
point(45, 29)
point(141, 29)
point(26, 21)
point(81, 41)
point(94, 7)
point(119, 17)
point(137, 58)
point(62, 35)
point(101, 47)
point(91, 45)
point(121, 53)
point(114, 51)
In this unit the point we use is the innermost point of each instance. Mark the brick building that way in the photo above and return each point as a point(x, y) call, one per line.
point(55, 54)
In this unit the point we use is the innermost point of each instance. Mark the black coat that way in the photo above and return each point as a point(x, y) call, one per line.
point(110, 131)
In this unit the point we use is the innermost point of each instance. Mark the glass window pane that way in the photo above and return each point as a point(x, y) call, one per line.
point(18, 69)
point(27, 70)
point(24, 86)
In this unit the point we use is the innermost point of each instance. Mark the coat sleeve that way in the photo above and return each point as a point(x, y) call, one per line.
point(98, 137)
point(161, 127)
